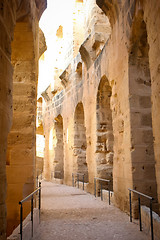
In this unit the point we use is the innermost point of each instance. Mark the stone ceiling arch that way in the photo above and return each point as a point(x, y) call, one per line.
point(111, 8)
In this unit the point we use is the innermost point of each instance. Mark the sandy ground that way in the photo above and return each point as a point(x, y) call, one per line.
point(71, 214)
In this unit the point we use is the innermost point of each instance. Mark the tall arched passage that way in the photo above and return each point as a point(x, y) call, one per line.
point(142, 150)
point(58, 145)
point(40, 141)
point(21, 152)
point(80, 144)
point(104, 145)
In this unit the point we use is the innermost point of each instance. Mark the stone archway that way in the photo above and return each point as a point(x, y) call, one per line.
point(58, 149)
point(80, 144)
point(104, 145)
point(40, 140)
point(21, 152)
point(142, 150)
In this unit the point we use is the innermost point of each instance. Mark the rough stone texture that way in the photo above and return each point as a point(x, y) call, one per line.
point(124, 50)
point(146, 222)
point(21, 138)
point(7, 21)
point(56, 148)
point(105, 139)
point(42, 43)
point(79, 145)
point(152, 22)
point(39, 139)
point(127, 59)
point(17, 95)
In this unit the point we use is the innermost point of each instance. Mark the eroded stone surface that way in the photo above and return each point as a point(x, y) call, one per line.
point(121, 136)
point(18, 80)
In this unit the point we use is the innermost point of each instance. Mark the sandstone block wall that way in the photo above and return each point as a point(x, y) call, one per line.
point(152, 19)
point(127, 112)
point(7, 21)
point(18, 51)
point(21, 139)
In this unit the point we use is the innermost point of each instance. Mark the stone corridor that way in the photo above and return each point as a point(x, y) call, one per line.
point(70, 213)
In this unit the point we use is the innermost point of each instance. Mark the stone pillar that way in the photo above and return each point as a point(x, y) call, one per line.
point(7, 20)
point(58, 160)
point(21, 139)
point(80, 144)
point(142, 146)
point(152, 19)
point(105, 139)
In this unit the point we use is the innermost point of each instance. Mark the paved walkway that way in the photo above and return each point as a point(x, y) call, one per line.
point(71, 214)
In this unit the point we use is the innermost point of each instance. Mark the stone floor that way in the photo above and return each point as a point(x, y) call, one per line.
point(71, 214)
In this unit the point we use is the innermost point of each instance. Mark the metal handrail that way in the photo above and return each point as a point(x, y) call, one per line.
point(103, 180)
point(77, 174)
point(139, 209)
point(21, 208)
point(38, 178)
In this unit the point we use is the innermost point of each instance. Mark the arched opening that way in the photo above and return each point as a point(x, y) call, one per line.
point(111, 9)
point(97, 32)
point(58, 151)
point(40, 141)
point(80, 144)
point(142, 151)
point(104, 145)
point(21, 139)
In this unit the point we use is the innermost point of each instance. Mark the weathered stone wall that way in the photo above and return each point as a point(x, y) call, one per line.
point(7, 21)
point(127, 62)
point(79, 144)
point(136, 38)
point(18, 97)
point(152, 20)
point(56, 148)
point(39, 140)
point(78, 26)
point(105, 139)
point(21, 139)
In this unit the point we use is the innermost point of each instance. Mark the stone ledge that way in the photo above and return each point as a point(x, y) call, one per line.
point(27, 227)
point(145, 213)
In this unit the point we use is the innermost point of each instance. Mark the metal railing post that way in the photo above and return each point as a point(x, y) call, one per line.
point(21, 220)
point(32, 207)
point(95, 190)
point(139, 208)
point(32, 213)
point(152, 235)
point(72, 180)
point(109, 197)
point(101, 193)
point(37, 180)
point(39, 201)
point(78, 180)
point(130, 204)
point(83, 182)
point(95, 187)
